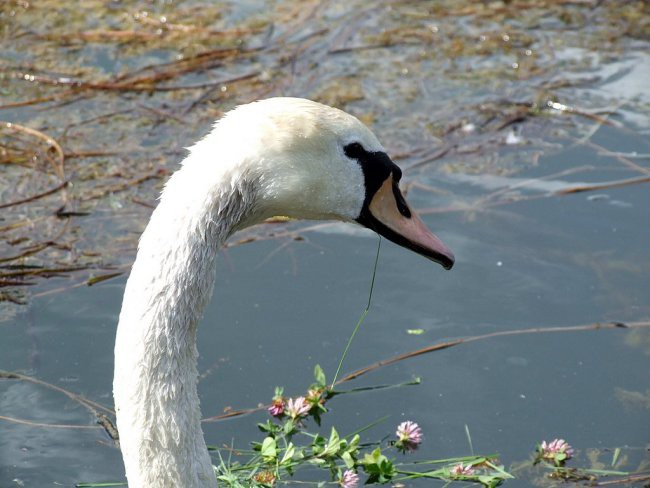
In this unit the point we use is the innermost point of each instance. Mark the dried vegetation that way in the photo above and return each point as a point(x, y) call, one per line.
point(97, 98)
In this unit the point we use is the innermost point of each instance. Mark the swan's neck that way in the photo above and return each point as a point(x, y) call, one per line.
point(155, 383)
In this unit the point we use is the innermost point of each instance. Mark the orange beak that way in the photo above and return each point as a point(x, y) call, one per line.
point(388, 214)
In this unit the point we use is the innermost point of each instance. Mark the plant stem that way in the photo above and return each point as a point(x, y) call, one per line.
point(361, 319)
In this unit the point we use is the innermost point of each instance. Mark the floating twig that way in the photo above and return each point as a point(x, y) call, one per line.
point(46, 272)
point(446, 345)
point(30, 251)
point(216, 85)
point(38, 196)
point(109, 427)
point(33, 101)
point(31, 423)
point(98, 279)
point(619, 157)
point(101, 36)
point(100, 192)
point(57, 165)
point(91, 154)
point(628, 479)
point(604, 186)
point(438, 154)
point(184, 28)
point(7, 297)
point(456, 342)
point(4, 283)
point(92, 406)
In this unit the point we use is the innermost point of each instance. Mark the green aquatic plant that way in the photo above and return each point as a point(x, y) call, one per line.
point(289, 445)
point(558, 451)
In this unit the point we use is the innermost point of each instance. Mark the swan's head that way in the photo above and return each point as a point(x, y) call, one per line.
point(311, 161)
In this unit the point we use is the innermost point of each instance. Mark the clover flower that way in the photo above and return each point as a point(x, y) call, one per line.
point(297, 407)
point(315, 395)
point(409, 436)
point(460, 470)
point(265, 477)
point(558, 451)
point(350, 479)
point(277, 407)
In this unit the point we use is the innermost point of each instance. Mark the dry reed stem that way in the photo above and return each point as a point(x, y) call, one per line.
point(57, 165)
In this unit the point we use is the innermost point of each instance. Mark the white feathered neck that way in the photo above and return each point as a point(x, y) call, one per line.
point(276, 157)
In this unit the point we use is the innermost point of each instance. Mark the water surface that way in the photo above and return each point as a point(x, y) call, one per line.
point(527, 257)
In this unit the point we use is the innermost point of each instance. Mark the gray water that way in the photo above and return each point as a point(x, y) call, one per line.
point(281, 306)
point(279, 309)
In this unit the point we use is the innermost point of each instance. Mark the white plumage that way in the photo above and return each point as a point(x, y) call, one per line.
point(281, 156)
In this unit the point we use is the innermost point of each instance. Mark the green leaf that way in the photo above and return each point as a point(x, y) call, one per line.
point(299, 455)
point(333, 444)
point(269, 427)
point(490, 481)
point(617, 453)
point(415, 331)
point(288, 454)
point(378, 467)
point(319, 376)
point(373, 457)
point(318, 445)
point(354, 443)
point(469, 439)
point(269, 449)
point(289, 427)
point(316, 415)
point(334, 437)
point(348, 460)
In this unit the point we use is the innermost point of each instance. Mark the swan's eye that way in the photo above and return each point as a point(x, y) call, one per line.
point(354, 150)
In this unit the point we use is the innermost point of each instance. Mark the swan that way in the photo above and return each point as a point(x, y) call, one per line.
point(279, 156)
